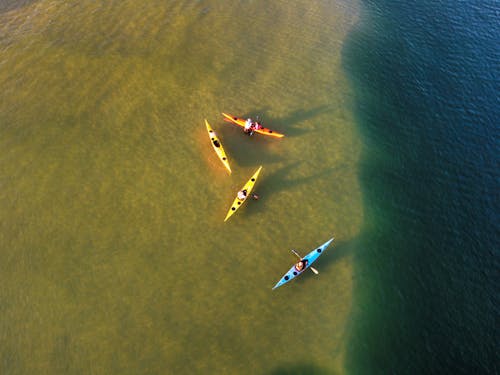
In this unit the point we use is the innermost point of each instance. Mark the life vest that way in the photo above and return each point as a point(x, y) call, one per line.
point(304, 265)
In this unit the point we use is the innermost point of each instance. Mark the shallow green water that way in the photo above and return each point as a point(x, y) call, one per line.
point(114, 254)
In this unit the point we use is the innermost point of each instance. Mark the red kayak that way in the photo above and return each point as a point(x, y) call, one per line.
point(260, 130)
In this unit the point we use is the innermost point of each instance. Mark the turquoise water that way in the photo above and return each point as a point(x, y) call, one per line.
point(426, 79)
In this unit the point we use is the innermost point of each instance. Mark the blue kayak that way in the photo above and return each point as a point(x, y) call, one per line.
point(310, 258)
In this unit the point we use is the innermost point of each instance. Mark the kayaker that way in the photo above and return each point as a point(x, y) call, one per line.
point(257, 125)
point(301, 265)
point(242, 194)
point(248, 126)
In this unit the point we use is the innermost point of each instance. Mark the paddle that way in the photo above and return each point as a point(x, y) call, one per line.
point(300, 258)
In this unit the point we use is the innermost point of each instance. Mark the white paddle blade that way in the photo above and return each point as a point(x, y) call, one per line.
point(314, 270)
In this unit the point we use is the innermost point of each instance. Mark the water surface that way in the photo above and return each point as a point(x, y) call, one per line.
point(114, 254)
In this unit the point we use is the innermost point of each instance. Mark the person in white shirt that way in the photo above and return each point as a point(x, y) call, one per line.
point(248, 128)
point(242, 195)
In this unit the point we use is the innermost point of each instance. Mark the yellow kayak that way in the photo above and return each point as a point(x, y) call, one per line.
point(248, 187)
point(217, 146)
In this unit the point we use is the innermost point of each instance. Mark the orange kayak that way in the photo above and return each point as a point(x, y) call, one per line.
point(241, 122)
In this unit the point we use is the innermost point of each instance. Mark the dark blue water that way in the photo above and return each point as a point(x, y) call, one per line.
point(427, 84)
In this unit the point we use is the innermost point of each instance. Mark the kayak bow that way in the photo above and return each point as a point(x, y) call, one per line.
point(311, 258)
point(219, 150)
point(248, 187)
point(241, 122)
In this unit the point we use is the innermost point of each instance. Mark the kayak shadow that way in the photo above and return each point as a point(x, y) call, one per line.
point(295, 118)
point(290, 125)
point(332, 255)
point(336, 251)
point(280, 180)
point(301, 369)
point(247, 150)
